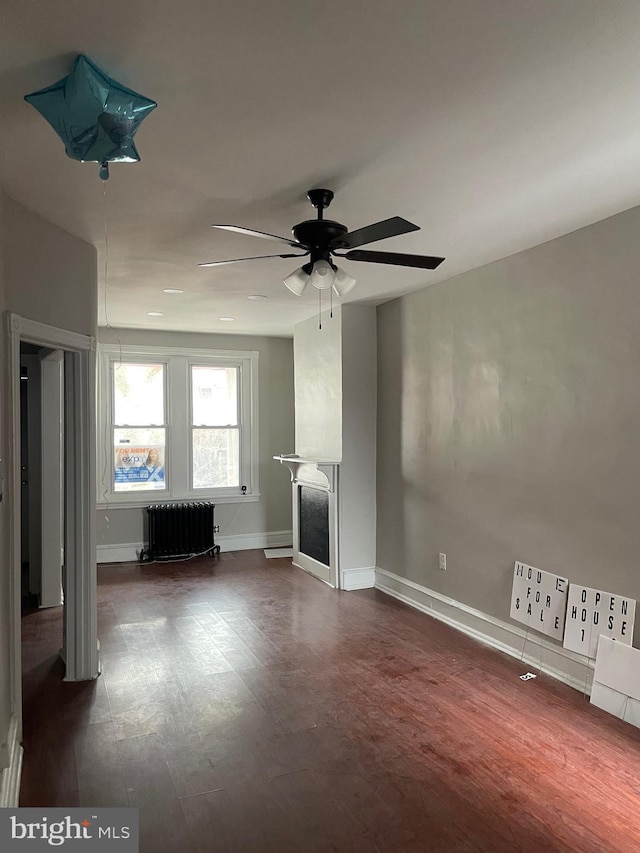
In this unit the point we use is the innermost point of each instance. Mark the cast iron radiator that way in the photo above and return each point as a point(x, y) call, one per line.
point(180, 530)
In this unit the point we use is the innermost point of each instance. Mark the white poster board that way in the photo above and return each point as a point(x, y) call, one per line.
point(539, 600)
point(592, 612)
point(616, 680)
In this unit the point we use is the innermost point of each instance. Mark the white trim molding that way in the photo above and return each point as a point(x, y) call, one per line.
point(229, 499)
point(125, 553)
point(177, 364)
point(80, 581)
point(313, 567)
point(129, 552)
point(364, 578)
point(533, 649)
point(251, 541)
point(80, 603)
point(44, 335)
point(322, 474)
point(11, 775)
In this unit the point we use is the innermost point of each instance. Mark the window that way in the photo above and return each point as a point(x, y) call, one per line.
point(176, 426)
point(215, 427)
point(139, 426)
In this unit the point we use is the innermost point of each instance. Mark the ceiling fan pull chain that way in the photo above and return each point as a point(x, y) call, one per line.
point(331, 303)
point(319, 309)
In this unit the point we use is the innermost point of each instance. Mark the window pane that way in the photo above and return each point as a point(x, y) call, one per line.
point(216, 458)
point(138, 463)
point(214, 395)
point(138, 394)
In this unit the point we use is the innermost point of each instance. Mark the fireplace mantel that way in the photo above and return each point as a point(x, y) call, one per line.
point(328, 476)
point(309, 476)
point(322, 473)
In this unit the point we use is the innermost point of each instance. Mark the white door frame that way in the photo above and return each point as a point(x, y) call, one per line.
point(80, 644)
point(80, 570)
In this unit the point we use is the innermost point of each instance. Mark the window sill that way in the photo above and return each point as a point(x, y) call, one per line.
point(141, 503)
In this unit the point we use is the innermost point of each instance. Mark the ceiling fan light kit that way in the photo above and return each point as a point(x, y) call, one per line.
point(343, 283)
point(321, 238)
point(298, 280)
point(322, 275)
point(335, 277)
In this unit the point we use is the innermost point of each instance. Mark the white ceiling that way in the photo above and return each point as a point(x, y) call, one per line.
point(493, 124)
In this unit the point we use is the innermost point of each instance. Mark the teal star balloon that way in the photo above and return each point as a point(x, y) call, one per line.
point(95, 116)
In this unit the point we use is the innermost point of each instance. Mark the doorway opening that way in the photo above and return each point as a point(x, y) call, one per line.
point(67, 497)
point(42, 468)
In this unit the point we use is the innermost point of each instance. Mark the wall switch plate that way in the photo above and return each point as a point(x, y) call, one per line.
point(442, 562)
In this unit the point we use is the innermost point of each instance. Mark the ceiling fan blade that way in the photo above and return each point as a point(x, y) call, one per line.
point(424, 262)
point(256, 258)
point(239, 230)
point(378, 231)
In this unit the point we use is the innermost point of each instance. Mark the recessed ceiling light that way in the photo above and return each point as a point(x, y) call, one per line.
point(172, 290)
point(257, 297)
point(227, 319)
point(155, 314)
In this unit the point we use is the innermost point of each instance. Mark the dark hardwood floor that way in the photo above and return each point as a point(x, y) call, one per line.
point(245, 706)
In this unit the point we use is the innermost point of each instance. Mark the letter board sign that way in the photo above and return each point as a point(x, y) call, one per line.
point(592, 612)
point(539, 600)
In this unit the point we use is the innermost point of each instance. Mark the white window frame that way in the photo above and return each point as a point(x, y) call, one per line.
point(178, 451)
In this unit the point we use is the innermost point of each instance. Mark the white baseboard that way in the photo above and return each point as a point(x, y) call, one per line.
point(11, 775)
point(249, 541)
point(129, 552)
point(533, 649)
point(358, 578)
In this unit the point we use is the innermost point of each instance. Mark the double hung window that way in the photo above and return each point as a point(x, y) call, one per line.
point(215, 427)
point(139, 426)
point(176, 426)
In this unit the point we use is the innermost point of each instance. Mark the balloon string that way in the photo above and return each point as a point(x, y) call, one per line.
point(107, 425)
point(105, 470)
point(106, 251)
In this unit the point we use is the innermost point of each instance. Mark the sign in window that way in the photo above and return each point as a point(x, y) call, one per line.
point(139, 432)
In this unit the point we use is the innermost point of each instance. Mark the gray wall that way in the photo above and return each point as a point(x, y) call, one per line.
point(276, 418)
point(509, 420)
point(49, 276)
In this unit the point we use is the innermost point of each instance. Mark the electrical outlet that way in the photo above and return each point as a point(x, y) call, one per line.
point(442, 562)
point(216, 528)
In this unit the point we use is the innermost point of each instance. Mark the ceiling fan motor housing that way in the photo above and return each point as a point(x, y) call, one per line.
point(319, 233)
point(320, 236)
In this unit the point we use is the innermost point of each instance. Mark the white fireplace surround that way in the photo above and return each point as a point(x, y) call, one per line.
point(320, 474)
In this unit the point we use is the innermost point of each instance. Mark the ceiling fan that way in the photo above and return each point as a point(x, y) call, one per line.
point(322, 239)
